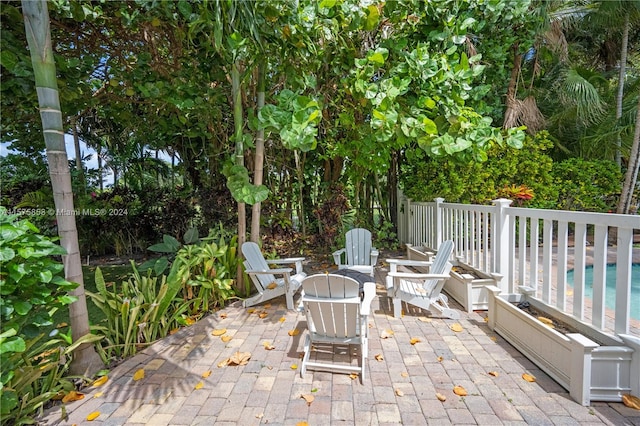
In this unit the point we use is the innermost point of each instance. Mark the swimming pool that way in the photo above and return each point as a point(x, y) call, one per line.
point(610, 292)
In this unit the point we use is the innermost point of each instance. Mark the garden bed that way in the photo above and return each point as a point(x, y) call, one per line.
point(591, 365)
point(468, 286)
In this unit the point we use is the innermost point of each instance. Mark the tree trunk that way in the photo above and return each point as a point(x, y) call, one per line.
point(628, 187)
point(258, 168)
point(36, 22)
point(621, 75)
point(239, 154)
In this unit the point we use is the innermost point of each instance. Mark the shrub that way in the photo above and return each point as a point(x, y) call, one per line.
point(587, 185)
point(31, 290)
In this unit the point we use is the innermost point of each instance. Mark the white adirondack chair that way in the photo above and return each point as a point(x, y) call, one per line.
point(270, 282)
point(336, 316)
point(358, 253)
point(423, 290)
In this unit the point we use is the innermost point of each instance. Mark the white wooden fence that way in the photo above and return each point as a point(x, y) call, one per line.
point(533, 249)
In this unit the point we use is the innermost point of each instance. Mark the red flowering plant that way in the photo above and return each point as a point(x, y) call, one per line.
point(518, 193)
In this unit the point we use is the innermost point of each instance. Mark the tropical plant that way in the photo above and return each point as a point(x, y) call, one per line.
point(31, 291)
point(137, 311)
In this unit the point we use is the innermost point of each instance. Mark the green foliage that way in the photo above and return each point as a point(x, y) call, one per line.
point(31, 290)
point(137, 311)
point(331, 215)
point(585, 185)
point(425, 178)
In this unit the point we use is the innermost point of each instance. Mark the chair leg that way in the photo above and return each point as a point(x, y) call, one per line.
point(307, 352)
point(397, 307)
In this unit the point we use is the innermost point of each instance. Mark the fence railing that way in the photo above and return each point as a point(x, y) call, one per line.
point(534, 250)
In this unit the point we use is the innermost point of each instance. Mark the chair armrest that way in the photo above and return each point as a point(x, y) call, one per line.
point(296, 260)
point(369, 289)
point(374, 256)
point(337, 256)
point(414, 276)
point(269, 271)
point(394, 263)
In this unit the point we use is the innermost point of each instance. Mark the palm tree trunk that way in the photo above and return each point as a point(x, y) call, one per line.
point(238, 124)
point(623, 65)
point(626, 195)
point(36, 22)
point(258, 169)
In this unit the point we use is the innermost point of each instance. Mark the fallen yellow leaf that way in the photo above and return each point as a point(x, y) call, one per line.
point(73, 396)
point(460, 391)
point(294, 366)
point(493, 338)
point(415, 340)
point(62, 324)
point(529, 377)
point(282, 319)
point(353, 376)
point(456, 327)
point(240, 358)
point(302, 424)
point(493, 373)
point(425, 319)
point(268, 346)
point(404, 374)
point(399, 392)
point(545, 320)
point(225, 338)
point(190, 321)
point(440, 358)
point(206, 374)
point(200, 385)
point(97, 394)
point(91, 417)
point(379, 357)
point(263, 314)
point(272, 286)
point(267, 305)
point(486, 319)
point(173, 331)
point(138, 375)
point(259, 416)
point(223, 363)
point(294, 332)
point(251, 310)
point(218, 332)
point(223, 315)
point(441, 397)
point(308, 398)
point(386, 334)
point(101, 381)
point(631, 401)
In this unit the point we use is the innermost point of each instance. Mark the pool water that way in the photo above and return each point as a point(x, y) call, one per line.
point(610, 292)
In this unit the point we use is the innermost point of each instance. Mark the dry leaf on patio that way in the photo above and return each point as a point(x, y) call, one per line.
point(399, 392)
point(97, 394)
point(259, 416)
point(200, 385)
point(294, 366)
point(251, 310)
point(268, 346)
point(282, 319)
point(267, 305)
point(386, 334)
point(206, 374)
point(223, 315)
point(486, 319)
point(545, 320)
point(460, 391)
point(91, 417)
point(294, 332)
point(73, 396)
point(493, 373)
point(353, 376)
point(456, 327)
point(404, 374)
point(240, 358)
point(493, 338)
point(302, 424)
point(223, 363)
point(101, 381)
point(441, 397)
point(263, 314)
point(529, 377)
point(139, 375)
point(440, 358)
point(272, 286)
point(415, 340)
point(226, 338)
point(631, 401)
point(308, 398)
point(379, 357)
point(218, 332)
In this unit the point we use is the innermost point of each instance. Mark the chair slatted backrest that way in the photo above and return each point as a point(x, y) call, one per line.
point(440, 265)
point(332, 305)
point(358, 246)
point(256, 261)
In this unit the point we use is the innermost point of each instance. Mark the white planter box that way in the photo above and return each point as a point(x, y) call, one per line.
point(470, 290)
point(590, 371)
point(419, 253)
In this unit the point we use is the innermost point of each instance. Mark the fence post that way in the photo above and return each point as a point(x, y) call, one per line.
point(438, 224)
point(500, 243)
